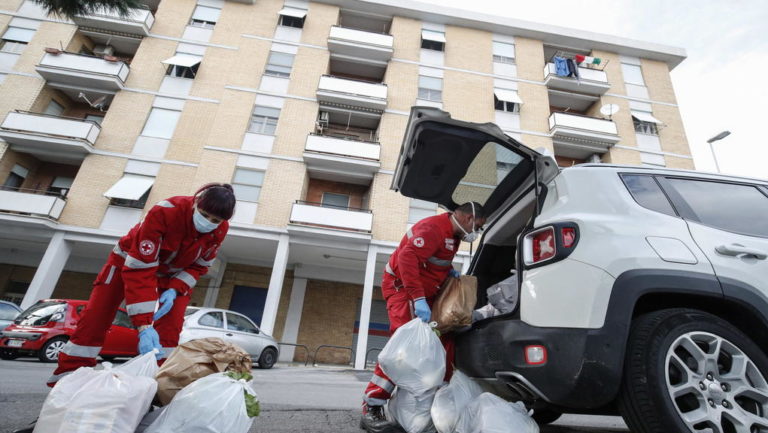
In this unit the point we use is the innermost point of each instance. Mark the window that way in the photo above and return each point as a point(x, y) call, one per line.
point(247, 184)
point(15, 39)
point(54, 109)
point(727, 206)
point(647, 193)
point(279, 64)
point(432, 40)
point(130, 191)
point(503, 52)
point(182, 66)
point(15, 178)
point(264, 120)
point(289, 21)
point(507, 106)
point(340, 201)
point(236, 322)
point(161, 123)
point(205, 17)
point(649, 128)
point(134, 204)
point(420, 209)
point(430, 88)
point(61, 186)
point(506, 161)
point(214, 320)
point(632, 74)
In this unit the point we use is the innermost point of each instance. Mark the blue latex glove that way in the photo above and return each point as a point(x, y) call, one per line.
point(454, 273)
point(422, 310)
point(148, 340)
point(166, 302)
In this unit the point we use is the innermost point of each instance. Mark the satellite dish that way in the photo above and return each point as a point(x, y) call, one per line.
point(609, 110)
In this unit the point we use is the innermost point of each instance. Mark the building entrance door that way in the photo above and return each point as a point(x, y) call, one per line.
point(249, 301)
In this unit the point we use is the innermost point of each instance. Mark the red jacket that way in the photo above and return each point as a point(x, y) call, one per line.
point(423, 259)
point(165, 251)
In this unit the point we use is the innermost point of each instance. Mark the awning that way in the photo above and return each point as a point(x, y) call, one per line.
point(291, 12)
point(130, 187)
point(183, 60)
point(507, 96)
point(17, 34)
point(646, 117)
point(433, 36)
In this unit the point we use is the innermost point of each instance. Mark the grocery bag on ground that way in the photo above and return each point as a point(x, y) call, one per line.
point(503, 295)
point(491, 414)
point(453, 306)
point(217, 403)
point(451, 400)
point(411, 411)
point(196, 359)
point(414, 358)
point(105, 400)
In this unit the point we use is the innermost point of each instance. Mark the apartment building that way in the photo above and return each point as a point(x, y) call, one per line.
point(301, 106)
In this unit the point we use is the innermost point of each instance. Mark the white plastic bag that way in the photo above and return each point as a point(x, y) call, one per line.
point(212, 404)
point(485, 312)
point(107, 400)
point(411, 411)
point(491, 414)
point(503, 295)
point(414, 358)
point(451, 400)
point(143, 366)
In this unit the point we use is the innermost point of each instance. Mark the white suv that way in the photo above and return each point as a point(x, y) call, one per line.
point(642, 291)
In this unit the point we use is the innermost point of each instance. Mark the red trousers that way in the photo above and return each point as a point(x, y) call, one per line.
point(94, 322)
point(400, 312)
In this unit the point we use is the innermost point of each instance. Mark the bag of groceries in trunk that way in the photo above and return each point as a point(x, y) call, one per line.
point(455, 302)
point(197, 359)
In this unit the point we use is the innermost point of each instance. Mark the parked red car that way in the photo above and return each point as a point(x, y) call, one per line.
point(42, 330)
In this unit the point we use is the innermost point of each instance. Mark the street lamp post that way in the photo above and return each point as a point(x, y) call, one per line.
point(717, 137)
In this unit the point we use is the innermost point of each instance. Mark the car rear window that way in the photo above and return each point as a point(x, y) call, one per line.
point(647, 193)
point(40, 313)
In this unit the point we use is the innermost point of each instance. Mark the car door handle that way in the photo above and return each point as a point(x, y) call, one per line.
point(228, 334)
point(741, 250)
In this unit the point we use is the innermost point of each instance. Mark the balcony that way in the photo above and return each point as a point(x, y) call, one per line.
point(591, 81)
point(360, 43)
point(138, 23)
point(354, 93)
point(79, 71)
point(51, 138)
point(314, 214)
point(344, 159)
point(31, 203)
point(577, 136)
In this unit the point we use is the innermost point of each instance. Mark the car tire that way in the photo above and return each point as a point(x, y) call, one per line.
point(268, 358)
point(545, 416)
point(50, 350)
point(712, 368)
point(9, 354)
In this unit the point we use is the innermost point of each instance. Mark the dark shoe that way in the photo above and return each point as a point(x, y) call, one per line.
point(374, 421)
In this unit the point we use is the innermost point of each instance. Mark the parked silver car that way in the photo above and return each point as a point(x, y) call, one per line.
point(232, 327)
point(8, 312)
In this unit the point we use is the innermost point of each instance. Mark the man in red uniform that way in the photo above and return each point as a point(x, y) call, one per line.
point(412, 277)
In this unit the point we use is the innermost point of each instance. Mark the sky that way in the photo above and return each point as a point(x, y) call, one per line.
point(719, 86)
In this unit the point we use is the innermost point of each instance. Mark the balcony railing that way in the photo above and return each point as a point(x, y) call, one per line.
point(51, 136)
point(360, 43)
point(584, 128)
point(317, 214)
point(80, 70)
point(590, 81)
point(348, 146)
point(138, 22)
point(352, 92)
point(30, 202)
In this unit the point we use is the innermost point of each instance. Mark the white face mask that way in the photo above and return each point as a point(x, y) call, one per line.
point(201, 223)
point(468, 236)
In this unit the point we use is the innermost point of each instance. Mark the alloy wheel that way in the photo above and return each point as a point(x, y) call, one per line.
point(53, 349)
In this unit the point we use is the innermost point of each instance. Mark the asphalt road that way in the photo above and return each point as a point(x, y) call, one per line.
point(294, 399)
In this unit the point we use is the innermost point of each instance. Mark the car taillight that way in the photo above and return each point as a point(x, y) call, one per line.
point(568, 234)
point(542, 245)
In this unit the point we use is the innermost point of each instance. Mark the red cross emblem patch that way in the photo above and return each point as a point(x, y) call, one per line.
point(418, 242)
point(147, 247)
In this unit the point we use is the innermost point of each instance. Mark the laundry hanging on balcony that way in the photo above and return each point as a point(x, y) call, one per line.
point(573, 70)
point(561, 66)
point(587, 60)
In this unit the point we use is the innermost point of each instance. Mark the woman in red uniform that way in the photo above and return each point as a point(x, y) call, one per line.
point(160, 259)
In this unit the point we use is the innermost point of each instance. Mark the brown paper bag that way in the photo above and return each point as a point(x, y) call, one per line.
point(455, 302)
point(195, 359)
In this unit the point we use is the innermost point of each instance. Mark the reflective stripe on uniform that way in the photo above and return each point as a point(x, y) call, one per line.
point(171, 257)
point(165, 203)
point(111, 274)
point(186, 278)
point(388, 269)
point(409, 233)
point(134, 263)
point(370, 401)
point(73, 349)
point(141, 308)
point(382, 383)
point(203, 262)
point(117, 250)
point(56, 377)
point(439, 262)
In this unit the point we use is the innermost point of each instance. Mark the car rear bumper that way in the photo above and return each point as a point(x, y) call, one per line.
point(582, 371)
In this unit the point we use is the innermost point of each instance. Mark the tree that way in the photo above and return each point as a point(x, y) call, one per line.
point(71, 8)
